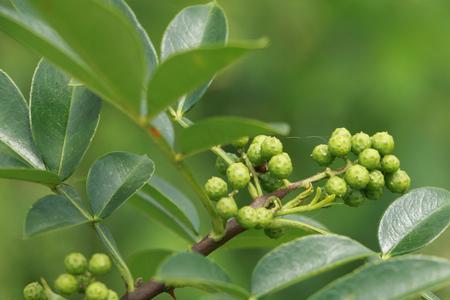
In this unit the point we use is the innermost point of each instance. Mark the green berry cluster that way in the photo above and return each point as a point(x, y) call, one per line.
point(79, 278)
point(375, 167)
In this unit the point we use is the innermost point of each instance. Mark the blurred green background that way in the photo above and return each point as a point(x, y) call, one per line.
point(365, 65)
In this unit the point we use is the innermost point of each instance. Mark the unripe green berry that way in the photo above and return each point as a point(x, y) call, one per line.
point(246, 217)
point(259, 139)
point(273, 233)
point(83, 281)
point(112, 295)
point(263, 216)
point(376, 180)
point(281, 165)
point(216, 188)
point(34, 291)
point(97, 291)
point(226, 207)
point(390, 163)
point(336, 186)
point(270, 147)
point(357, 177)
point(75, 263)
point(341, 131)
point(354, 199)
point(369, 158)
point(321, 154)
point(360, 142)
point(340, 145)
point(398, 182)
point(222, 165)
point(383, 142)
point(241, 142)
point(99, 264)
point(66, 284)
point(254, 154)
point(238, 175)
point(373, 194)
point(269, 182)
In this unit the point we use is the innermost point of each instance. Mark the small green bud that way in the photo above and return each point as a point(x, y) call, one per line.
point(241, 142)
point(341, 131)
point(246, 217)
point(390, 163)
point(34, 291)
point(337, 186)
point(340, 145)
point(360, 142)
point(369, 158)
point(238, 175)
point(254, 154)
point(273, 233)
point(97, 291)
point(99, 264)
point(357, 177)
point(221, 165)
point(259, 139)
point(321, 154)
point(263, 216)
point(270, 147)
point(226, 207)
point(66, 284)
point(354, 199)
point(216, 188)
point(281, 165)
point(376, 180)
point(398, 182)
point(374, 194)
point(112, 295)
point(75, 263)
point(269, 182)
point(383, 142)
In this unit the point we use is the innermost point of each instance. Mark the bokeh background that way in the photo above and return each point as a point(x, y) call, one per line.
point(365, 65)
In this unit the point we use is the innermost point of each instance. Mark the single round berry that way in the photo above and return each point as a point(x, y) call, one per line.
point(246, 217)
point(341, 131)
point(354, 198)
point(241, 142)
point(112, 295)
point(83, 281)
point(321, 154)
point(226, 207)
point(254, 154)
point(222, 165)
point(357, 177)
point(390, 163)
point(336, 186)
point(99, 264)
point(259, 139)
point(373, 194)
point(216, 188)
point(383, 142)
point(97, 291)
point(376, 180)
point(273, 233)
point(369, 158)
point(398, 182)
point(66, 284)
point(281, 165)
point(360, 142)
point(340, 145)
point(263, 216)
point(75, 263)
point(34, 291)
point(238, 175)
point(269, 182)
point(270, 147)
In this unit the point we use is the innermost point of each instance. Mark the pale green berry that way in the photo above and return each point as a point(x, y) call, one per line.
point(369, 158)
point(34, 291)
point(360, 142)
point(226, 207)
point(270, 147)
point(263, 216)
point(112, 295)
point(259, 139)
point(246, 217)
point(241, 142)
point(398, 182)
point(75, 263)
point(238, 175)
point(269, 182)
point(216, 188)
point(254, 154)
point(99, 264)
point(281, 165)
point(66, 284)
point(340, 145)
point(97, 291)
point(336, 186)
point(373, 194)
point(321, 154)
point(341, 131)
point(390, 163)
point(354, 198)
point(222, 165)
point(273, 233)
point(357, 177)
point(383, 142)
point(376, 180)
